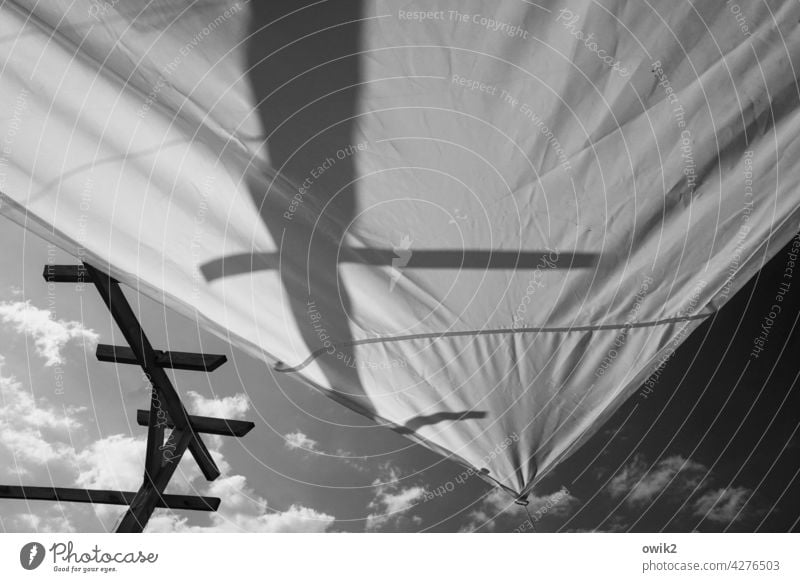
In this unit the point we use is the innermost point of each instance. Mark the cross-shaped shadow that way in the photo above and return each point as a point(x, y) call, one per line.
point(418, 259)
point(304, 71)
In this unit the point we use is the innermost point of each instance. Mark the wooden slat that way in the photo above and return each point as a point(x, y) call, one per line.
point(129, 325)
point(205, 424)
point(164, 359)
point(66, 274)
point(190, 361)
point(106, 497)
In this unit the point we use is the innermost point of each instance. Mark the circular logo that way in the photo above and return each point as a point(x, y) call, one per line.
point(31, 555)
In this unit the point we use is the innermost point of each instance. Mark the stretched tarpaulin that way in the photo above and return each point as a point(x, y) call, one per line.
point(484, 224)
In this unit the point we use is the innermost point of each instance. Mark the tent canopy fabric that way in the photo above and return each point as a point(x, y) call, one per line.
point(484, 225)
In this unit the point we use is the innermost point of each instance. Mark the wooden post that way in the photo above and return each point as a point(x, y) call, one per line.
point(166, 412)
point(147, 497)
point(129, 326)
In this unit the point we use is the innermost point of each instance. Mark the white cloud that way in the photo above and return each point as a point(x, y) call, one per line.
point(117, 462)
point(50, 335)
point(499, 505)
point(724, 505)
point(229, 407)
point(298, 440)
point(392, 502)
point(114, 462)
point(30, 522)
point(242, 510)
point(29, 430)
point(295, 519)
point(641, 485)
point(682, 479)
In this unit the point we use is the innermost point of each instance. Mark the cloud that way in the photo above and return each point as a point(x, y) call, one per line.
point(50, 335)
point(641, 485)
point(298, 440)
point(30, 430)
point(30, 522)
point(392, 502)
point(686, 483)
point(117, 462)
point(230, 407)
point(114, 462)
point(241, 510)
point(295, 519)
point(498, 509)
point(725, 505)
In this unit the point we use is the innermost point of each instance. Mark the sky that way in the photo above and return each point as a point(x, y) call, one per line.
point(710, 445)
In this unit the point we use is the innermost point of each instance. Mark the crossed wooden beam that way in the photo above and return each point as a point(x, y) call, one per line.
point(166, 412)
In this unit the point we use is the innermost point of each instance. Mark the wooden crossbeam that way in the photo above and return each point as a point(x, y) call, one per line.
point(129, 325)
point(166, 412)
point(205, 424)
point(103, 496)
point(66, 274)
point(164, 359)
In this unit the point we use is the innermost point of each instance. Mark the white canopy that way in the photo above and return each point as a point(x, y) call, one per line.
point(483, 224)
